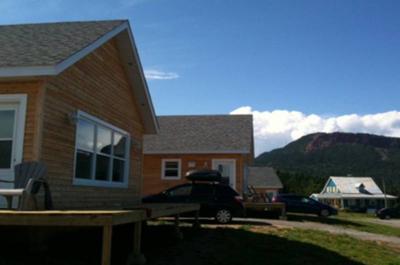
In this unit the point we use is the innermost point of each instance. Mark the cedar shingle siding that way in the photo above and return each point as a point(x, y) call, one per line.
point(98, 86)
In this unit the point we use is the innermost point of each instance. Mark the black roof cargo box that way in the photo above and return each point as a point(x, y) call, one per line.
point(204, 175)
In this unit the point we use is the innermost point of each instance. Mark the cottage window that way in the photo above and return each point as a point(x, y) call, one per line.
point(7, 118)
point(101, 153)
point(171, 169)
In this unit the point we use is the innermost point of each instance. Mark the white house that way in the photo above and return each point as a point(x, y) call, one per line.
point(355, 193)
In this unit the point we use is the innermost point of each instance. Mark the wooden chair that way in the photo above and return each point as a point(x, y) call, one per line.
point(29, 177)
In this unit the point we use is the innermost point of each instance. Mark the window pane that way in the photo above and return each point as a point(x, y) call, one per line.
point(171, 168)
point(5, 154)
point(83, 164)
point(181, 191)
point(119, 145)
point(171, 165)
point(118, 170)
point(103, 140)
point(102, 166)
point(85, 135)
point(171, 173)
point(7, 123)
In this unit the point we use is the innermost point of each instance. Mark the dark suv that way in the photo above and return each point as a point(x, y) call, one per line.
point(215, 199)
point(302, 204)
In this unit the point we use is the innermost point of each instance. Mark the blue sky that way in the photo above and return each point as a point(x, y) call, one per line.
point(328, 58)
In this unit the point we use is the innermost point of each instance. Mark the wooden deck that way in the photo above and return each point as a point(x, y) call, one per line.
point(264, 206)
point(104, 218)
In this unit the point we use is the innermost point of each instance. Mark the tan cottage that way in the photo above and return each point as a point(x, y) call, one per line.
point(221, 142)
point(74, 96)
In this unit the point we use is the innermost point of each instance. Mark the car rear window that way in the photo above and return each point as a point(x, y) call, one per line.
point(226, 190)
point(180, 191)
point(202, 190)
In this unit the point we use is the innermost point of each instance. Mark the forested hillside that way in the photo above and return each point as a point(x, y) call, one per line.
point(305, 164)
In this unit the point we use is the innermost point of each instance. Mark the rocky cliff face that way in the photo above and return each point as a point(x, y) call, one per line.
point(320, 141)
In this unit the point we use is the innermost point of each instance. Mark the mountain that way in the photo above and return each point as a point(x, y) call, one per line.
point(315, 157)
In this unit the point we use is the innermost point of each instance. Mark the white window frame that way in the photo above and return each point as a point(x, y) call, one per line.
point(81, 115)
point(20, 100)
point(164, 161)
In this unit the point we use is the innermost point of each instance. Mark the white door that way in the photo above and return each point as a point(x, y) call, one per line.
point(12, 126)
point(227, 167)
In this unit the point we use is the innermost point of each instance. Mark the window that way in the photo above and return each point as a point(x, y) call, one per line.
point(7, 118)
point(171, 169)
point(180, 191)
point(102, 157)
point(12, 131)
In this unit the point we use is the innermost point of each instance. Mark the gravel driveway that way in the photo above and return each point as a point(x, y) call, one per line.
point(391, 222)
point(392, 240)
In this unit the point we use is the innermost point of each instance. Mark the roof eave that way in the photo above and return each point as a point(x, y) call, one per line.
point(196, 152)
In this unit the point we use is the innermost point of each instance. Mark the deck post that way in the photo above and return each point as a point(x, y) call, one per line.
point(107, 241)
point(137, 258)
point(196, 223)
point(178, 232)
point(283, 213)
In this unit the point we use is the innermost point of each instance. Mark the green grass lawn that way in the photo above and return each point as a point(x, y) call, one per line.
point(249, 244)
point(350, 220)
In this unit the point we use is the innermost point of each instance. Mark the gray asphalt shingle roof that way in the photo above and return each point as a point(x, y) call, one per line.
point(48, 43)
point(350, 184)
point(202, 134)
point(263, 177)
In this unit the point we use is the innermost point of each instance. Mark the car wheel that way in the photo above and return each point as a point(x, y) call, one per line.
point(223, 216)
point(387, 216)
point(324, 213)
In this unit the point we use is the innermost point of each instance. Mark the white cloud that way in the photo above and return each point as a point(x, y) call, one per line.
point(274, 129)
point(160, 75)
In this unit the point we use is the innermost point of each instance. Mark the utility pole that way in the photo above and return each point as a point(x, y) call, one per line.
point(384, 190)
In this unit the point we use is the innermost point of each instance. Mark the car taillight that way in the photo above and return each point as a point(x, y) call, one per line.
point(239, 199)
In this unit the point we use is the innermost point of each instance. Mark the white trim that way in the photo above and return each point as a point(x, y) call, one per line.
point(143, 79)
point(215, 161)
point(163, 161)
point(20, 100)
point(25, 71)
point(196, 152)
point(99, 183)
point(102, 183)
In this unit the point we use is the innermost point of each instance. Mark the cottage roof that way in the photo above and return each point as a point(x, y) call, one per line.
point(263, 177)
point(50, 43)
point(201, 134)
point(47, 49)
point(356, 185)
point(351, 196)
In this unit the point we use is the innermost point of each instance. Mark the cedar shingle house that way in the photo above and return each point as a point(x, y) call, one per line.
point(74, 96)
point(222, 142)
